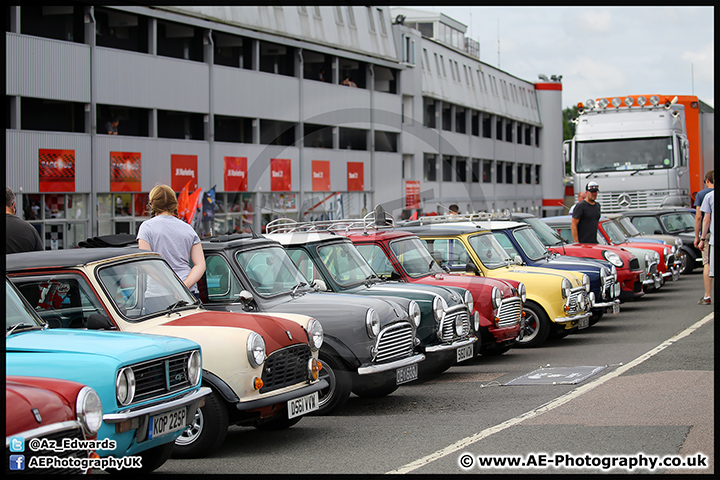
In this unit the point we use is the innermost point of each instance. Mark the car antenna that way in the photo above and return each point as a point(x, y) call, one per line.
point(254, 235)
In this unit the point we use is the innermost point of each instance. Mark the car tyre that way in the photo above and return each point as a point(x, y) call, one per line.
point(375, 392)
point(595, 317)
point(687, 261)
point(339, 385)
point(537, 326)
point(206, 431)
point(280, 423)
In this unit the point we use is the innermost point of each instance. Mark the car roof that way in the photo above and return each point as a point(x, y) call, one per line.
point(458, 228)
point(235, 240)
point(301, 238)
point(67, 258)
point(658, 211)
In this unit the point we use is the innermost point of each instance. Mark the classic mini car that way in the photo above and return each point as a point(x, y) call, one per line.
point(558, 302)
point(630, 273)
point(651, 258)
point(143, 389)
point(262, 368)
point(634, 235)
point(52, 409)
point(333, 262)
point(369, 345)
point(519, 239)
point(679, 222)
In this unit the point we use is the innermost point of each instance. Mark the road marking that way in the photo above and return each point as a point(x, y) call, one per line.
point(551, 405)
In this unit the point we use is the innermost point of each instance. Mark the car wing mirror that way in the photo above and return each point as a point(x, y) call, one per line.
point(319, 285)
point(97, 321)
point(470, 267)
point(517, 260)
point(245, 298)
point(658, 232)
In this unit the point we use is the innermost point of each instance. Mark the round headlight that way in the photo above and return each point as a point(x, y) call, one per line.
point(439, 308)
point(315, 334)
point(476, 320)
point(656, 256)
point(89, 410)
point(469, 300)
point(648, 259)
point(255, 349)
point(586, 282)
point(613, 258)
point(459, 326)
point(522, 291)
point(614, 271)
point(603, 275)
point(496, 296)
point(678, 242)
point(581, 302)
point(194, 367)
point(372, 322)
point(125, 386)
point(566, 288)
point(414, 312)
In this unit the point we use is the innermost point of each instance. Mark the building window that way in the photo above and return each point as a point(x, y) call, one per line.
point(131, 121)
point(460, 119)
point(385, 79)
point(52, 115)
point(475, 170)
point(178, 40)
point(499, 172)
point(353, 71)
point(385, 141)
point(537, 174)
point(537, 136)
point(508, 172)
point(487, 171)
point(519, 173)
point(426, 29)
point(461, 169)
point(519, 133)
point(182, 125)
point(381, 21)
point(528, 174)
point(447, 168)
point(57, 22)
point(508, 131)
point(475, 123)
point(318, 136)
point(118, 30)
point(442, 65)
point(409, 50)
point(317, 66)
point(233, 129)
point(487, 125)
point(499, 129)
point(428, 112)
point(276, 132)
point(338, 15)
point(430, 167)
point(527, 134)
point(371, 20)
point(446, 116)
point(351, 16)
point(426, 63)
point(353, 138)
point(232, 51)
point(277, 59)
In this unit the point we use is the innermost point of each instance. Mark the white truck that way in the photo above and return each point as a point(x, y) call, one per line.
point(643, 151)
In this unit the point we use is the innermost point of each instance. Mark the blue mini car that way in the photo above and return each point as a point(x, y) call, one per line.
point(149, 385)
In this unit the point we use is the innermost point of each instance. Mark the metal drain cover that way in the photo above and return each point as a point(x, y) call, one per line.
point(556, 376)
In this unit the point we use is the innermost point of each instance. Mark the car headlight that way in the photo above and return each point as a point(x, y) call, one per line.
point(194, 367)
point(476, 320)
point(469, 300)
point(566, 288)
point(496, 298)
point(439, 308)
point(614, 271)
point(125, 386)
point(372, 323)
point(315, 334)
point(414, 312)
point(648, 259)
point(603, 275)
point(255, 349)
point(613, 258)
point(586, 282)
point(459, 325)
point(88, 409)
point(678, 243)
point(656, 256)
point(522, 292)
point(581, 302)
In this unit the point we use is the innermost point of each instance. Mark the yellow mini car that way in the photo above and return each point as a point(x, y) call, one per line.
point(558, 302)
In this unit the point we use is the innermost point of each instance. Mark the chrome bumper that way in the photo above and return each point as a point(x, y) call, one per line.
point(157, 408)
point(384, 367)
point(450, 346)
point(573, 318)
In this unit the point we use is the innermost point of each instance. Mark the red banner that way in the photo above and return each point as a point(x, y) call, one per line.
point(57, 170)
point(356, 176)
point(412, 194)
point(320, 176)
point(125, 172)
point(280, 175)
point(236, 174)
point(183, 170)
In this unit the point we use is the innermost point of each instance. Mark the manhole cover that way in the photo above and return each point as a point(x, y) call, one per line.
point(556, 376)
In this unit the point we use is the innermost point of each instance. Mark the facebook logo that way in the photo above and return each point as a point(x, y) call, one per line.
point(17, 462)
point(17, 444)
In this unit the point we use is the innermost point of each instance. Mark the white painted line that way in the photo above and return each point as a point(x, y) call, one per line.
point(464, 443)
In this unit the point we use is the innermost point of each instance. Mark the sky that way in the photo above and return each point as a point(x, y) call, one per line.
point(599, 51)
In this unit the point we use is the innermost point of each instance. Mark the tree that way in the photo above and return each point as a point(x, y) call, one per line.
point(568, 127)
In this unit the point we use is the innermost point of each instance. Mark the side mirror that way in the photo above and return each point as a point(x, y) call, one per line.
point(517, 260)
point(319, 285)
point(97, 321)
point(245, 298)
point(658, 232)
point(470, 267)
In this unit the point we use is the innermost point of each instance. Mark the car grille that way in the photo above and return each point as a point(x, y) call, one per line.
point(447, 328)
point(612, 202)
point(607, 288)
point(574, 300)
point(57, 437)
point(394, 342)
point(634, 264)
point(284, 367)
point(510, 312)
point(161, 376)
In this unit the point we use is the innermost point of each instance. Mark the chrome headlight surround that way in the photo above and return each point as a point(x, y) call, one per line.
point(522, 292)
point(666, 254)
point(255, 349)
point(88, 409)
point(469, 301)
point(613, 258)
point(414, 313)
point(440, 306)
point(459, 325)
point(678, 243)
point(496, 298)
point(372, 323)
point(603, 276)
point(566, 288)
point(315, 333)
point(125, 386)
point(614, 271)
point(586, 282)
point(194, 371)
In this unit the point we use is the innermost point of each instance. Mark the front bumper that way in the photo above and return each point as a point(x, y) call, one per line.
point(384, 367)
point(450, 346)
point(282, 397)
point(574, 318)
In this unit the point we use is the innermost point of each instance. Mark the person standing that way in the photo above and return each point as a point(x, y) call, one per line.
point(707, 235)
point(20, 236)
point(176, 241)
point(586, 216)
point(699, 217)
point(581, 196)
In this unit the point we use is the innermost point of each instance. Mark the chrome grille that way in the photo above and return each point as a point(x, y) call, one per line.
point(607, 289)
point(510, 312)
point(57, 437)
point(394, 342)
point(284, 367)
point(574, 300)
point(447, 328)
point(612, 202)
point(161, 376)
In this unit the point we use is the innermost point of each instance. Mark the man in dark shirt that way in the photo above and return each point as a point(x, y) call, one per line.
point(586, 216)
point(20, 236)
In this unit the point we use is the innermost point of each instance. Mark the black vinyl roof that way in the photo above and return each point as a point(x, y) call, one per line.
point(64, 258)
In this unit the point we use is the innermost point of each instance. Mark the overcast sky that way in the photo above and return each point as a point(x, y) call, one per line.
point(599, 51)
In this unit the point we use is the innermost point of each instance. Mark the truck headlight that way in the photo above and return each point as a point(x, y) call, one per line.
point(522, 292)
point(194, 367)
point(439, 308)
point(469, 300)
point(414, 312)
point(613, 258)
point(255, 349)
point(372, 323)
point(315, 334)
point(125, 386)
point(566, 288)
point(88, 409)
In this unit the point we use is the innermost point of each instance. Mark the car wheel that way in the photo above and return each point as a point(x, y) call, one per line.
point(339, 385)
point(278, 423)
point(537, 326)
point(375, 392)
point(206, 431)
point(687, 261)
point(596, 316)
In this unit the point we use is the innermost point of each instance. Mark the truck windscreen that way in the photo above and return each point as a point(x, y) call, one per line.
point(627, 154)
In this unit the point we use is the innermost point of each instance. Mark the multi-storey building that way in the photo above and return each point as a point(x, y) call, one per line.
point(290, 111)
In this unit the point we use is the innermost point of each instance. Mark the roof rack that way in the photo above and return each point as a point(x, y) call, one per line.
point(461, 217)
point(368, 222)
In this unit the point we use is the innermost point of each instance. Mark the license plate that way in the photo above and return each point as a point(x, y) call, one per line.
point(583, 323)
point(616, 308)
point(167, 422)
point(406, 374)
point(302, 405)
point(463, 353)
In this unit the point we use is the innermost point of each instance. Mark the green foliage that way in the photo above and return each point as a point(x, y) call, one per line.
point(569, 127)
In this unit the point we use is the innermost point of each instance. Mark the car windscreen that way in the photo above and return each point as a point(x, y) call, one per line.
point(545, 233)
point(16, 311)
point(490, 252)
point(270, 270)
point(414, 256)
point(613, 231)
point(627, 224)
point(625, 154)
point(530, 243)
point(678, 222)
point(345, 264)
